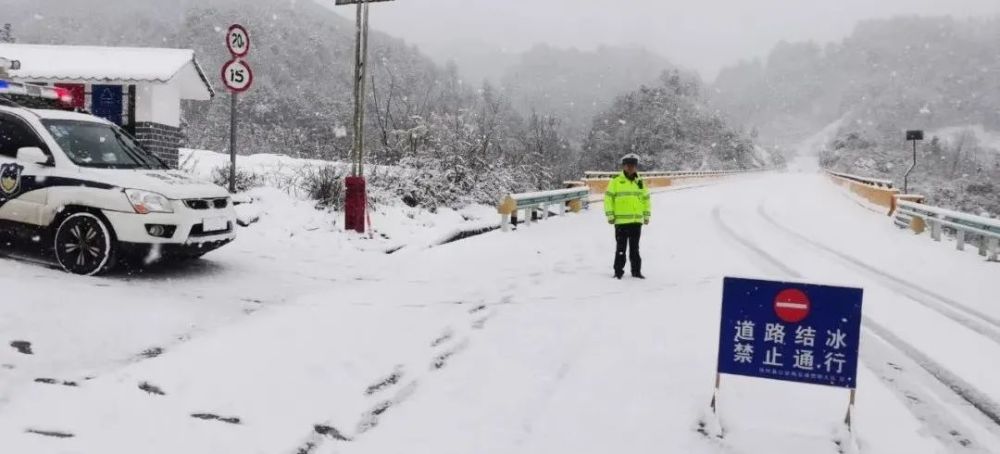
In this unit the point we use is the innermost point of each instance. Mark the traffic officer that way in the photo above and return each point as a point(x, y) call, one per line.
point(626, 204)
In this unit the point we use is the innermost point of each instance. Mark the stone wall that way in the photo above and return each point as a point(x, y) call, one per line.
point(162, 140)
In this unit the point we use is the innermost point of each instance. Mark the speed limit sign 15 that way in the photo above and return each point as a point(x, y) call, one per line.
point(237, 75)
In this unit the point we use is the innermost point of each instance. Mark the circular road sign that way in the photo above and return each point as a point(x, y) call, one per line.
point(238, 40)
point(237, 75)
point(792, 305)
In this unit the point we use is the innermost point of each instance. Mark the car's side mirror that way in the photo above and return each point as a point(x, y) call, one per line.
point(32, 155)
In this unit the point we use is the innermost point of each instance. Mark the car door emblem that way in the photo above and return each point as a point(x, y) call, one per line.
point(10, 178)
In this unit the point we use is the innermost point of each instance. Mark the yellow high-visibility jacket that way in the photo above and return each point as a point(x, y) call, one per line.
point(627, 201)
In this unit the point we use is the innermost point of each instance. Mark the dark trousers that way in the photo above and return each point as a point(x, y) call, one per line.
point(627, 235)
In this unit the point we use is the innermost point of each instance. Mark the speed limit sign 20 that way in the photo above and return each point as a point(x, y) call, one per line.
point(237, 75)
point(238, 41)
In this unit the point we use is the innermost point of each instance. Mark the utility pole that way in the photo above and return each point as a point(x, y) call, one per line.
point(358, 94)
point(356, 199)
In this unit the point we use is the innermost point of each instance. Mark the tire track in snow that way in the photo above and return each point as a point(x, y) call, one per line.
point(908, 388)
point(958, 312)
point(966, 391)
point(83, 375)
point(443, 350)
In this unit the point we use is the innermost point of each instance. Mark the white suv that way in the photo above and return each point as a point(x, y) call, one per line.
point(85, 190)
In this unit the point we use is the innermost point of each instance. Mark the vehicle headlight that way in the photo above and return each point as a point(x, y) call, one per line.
point(148, 202)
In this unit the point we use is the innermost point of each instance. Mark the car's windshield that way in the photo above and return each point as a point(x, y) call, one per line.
point(90, 144)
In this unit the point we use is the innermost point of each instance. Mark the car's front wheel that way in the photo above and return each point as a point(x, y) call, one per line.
point(84, 244)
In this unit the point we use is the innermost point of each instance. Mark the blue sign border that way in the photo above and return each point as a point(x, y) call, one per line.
point(834, 321)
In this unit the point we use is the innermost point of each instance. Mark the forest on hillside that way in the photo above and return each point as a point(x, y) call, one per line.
point(938, 74)
point(469, 142)
point(576, 85)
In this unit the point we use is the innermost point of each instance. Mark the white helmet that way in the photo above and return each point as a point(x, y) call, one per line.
point(630, 158)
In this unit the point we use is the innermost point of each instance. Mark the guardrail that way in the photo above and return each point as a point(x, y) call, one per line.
point(573, 199)
point(598, 181)
point(908, 211)
point(679, 173)
point(877, 182)
point(877, 191)
point(967, 227)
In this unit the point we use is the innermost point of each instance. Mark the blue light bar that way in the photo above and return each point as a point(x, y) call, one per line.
point(4, 84)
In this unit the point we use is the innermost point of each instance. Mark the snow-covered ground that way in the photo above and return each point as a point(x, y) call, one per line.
point(299, 338)
point(283, 199)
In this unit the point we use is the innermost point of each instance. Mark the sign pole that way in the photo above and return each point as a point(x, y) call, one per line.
point(906, 183)
point(715, 395)
point(850, 412)
point(232, 143)
point(237, 77)
point(913, 136)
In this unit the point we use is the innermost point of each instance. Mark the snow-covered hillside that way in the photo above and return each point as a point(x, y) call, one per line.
point(985, 138)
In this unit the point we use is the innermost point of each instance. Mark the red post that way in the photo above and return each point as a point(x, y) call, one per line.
point(354, 204)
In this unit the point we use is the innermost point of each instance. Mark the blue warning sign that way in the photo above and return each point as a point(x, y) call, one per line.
point(790, 331)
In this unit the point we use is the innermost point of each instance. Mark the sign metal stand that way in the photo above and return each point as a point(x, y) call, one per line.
point(805, 312)
point(237, 77)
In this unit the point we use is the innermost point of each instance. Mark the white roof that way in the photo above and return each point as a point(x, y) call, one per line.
point(51, 114)
point(124, 65)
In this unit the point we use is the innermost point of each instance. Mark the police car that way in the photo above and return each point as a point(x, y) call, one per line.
point(86, 191)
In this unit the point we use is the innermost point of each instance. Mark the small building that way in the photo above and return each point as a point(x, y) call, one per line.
point(139, 89)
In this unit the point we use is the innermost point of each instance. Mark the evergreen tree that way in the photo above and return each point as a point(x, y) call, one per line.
point(7, 34)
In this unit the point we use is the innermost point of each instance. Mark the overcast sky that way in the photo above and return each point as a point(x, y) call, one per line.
point(704, 35)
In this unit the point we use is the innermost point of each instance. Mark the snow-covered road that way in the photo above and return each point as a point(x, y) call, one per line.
point(506, 342)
